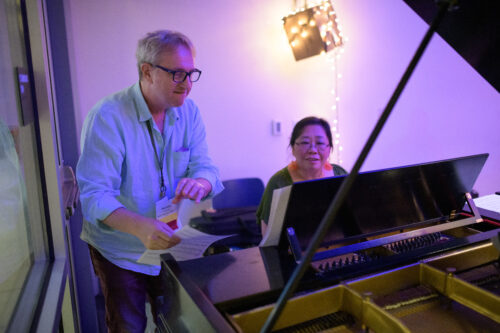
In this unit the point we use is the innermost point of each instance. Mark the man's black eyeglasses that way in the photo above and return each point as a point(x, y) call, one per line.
point(180, 76)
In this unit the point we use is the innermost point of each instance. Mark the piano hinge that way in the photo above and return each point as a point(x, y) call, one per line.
point(473, 208)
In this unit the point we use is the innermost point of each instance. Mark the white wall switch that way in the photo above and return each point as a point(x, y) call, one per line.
point(276, 127)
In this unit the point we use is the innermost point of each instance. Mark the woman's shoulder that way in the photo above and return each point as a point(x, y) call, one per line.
point(281, 178)
point(338, 170)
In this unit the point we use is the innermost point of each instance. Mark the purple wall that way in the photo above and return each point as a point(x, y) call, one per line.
point(250, 78)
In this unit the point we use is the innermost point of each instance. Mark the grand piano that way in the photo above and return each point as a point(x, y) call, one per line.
point(409, 252)
point(406, 251)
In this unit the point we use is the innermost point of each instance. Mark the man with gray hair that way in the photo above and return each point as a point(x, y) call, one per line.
point(143, 150)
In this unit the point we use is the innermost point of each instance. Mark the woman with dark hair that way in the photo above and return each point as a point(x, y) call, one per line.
point(311, 144)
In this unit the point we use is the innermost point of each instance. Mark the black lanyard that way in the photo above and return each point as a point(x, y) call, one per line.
point(163, 189)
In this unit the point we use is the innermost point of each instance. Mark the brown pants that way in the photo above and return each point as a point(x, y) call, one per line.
point(125, 294)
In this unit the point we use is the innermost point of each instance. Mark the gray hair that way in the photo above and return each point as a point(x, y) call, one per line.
point(154, 43)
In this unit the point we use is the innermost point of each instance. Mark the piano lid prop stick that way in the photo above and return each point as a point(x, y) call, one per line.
point(339, 198)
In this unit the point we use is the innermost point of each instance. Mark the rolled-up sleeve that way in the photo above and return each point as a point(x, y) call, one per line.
point(100, 165)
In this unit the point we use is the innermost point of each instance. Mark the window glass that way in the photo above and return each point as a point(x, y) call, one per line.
point(22, 240)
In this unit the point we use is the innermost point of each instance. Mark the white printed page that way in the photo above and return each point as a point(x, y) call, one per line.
point(279, 204)
point(489, 202)
point(193, 244)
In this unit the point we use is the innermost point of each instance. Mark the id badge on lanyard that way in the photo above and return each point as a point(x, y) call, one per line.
point(163, 188)
point(167, 212)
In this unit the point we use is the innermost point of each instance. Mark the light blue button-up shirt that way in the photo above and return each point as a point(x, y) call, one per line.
point(118, 167)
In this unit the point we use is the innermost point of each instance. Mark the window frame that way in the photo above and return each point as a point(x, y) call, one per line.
point(43, 302)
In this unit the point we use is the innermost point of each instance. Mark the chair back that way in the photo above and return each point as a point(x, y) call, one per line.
point(241, 192)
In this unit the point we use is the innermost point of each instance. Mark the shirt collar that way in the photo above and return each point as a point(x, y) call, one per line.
point(143, 110)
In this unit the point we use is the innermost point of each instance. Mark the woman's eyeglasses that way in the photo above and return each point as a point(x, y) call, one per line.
point(306, 145)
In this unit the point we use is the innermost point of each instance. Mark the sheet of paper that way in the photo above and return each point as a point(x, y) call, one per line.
point(279, 204)
point(489, 202)
point(193, 244)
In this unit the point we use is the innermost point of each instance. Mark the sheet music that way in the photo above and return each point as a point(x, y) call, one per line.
point(279, 204)
point(489, 202)
point(193, 244)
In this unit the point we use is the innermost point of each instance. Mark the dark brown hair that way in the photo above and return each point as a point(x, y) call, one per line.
point(299, 128)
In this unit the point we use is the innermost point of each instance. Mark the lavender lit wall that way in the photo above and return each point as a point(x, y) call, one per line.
point(250, 78)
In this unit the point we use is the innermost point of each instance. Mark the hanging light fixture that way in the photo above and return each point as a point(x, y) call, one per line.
point(313, 30)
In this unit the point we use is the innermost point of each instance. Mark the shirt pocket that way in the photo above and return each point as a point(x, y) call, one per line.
point(181, 161)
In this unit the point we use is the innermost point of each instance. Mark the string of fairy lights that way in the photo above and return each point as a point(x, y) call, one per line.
point(315, 29)
point(332, 60)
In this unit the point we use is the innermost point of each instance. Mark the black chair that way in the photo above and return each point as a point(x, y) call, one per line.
point(241, 192)
point(234, 214)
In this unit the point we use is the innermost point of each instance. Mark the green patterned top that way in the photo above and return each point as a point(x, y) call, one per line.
point(281, 179)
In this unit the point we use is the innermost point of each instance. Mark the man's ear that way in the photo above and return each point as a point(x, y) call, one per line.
point(146, 70)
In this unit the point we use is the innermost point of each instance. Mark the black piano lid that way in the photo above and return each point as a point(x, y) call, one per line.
point(383, 200)
point(472, 30)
